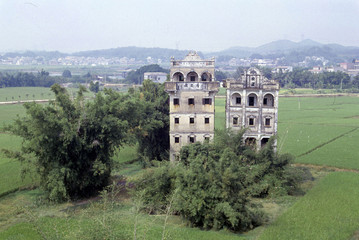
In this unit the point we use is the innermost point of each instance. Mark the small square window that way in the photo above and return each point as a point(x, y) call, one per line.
point(190, 101)
point(176, 101)
point(193, 78)
point(206, 120)
point(251, 121)
point(235, 121)
point(206, 139)
point(191, 139)
point(207, 101)
point(176, 139)
point(238, 100)
point(191, 120)
point(252, 84)
point(267, 122)
point(176, 120)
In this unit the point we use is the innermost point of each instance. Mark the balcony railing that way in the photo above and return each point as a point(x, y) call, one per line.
point(192, 86)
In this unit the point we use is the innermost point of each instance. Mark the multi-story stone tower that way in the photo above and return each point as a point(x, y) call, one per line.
point(252, 103)
point(192, 89)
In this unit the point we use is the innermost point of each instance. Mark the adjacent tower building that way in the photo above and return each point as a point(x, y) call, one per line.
point(252, 103)
point(192, 89)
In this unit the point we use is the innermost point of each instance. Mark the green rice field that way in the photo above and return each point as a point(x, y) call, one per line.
point(330, 210)
point(320, 130)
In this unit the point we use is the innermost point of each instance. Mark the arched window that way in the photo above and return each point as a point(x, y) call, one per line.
point(192, 77)
point(206, 77)
point(268, 100)
point(251, 141)
point(178, 77)
point(252, 100)
point(236, 99)
point(264, 141)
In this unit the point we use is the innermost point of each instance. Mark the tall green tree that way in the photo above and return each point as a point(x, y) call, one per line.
point(70, 143)
point(153, 131)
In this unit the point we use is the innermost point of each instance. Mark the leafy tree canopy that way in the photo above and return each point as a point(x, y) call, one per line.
point(70, 143)
point(66, 73)
point(136, 77)
point(153, 134)
point(213, 183)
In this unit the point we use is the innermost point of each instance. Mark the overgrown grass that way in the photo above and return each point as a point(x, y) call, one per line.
point(328, 211)
point(102, 219)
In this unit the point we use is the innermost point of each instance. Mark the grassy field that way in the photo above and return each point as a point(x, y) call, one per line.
point(31, 93)
point(10, 177)
point(321, 130)
point(328, 211)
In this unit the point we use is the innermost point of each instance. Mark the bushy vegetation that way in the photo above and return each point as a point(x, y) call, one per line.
point(136, 76)
point(152, 135)
point(20, 79)
point(70, 143)
point(212, 183)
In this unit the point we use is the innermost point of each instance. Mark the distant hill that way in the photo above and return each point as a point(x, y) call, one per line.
point(296, 51)
point(135, 52)
point(290, 51)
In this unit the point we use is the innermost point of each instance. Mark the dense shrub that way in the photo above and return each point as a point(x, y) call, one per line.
point(213, 183)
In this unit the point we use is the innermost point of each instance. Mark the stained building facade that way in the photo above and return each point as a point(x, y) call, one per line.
point(192, 89)
point(252, 103)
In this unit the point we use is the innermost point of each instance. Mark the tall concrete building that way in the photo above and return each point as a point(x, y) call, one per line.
point(192, 89)
point(252, 103)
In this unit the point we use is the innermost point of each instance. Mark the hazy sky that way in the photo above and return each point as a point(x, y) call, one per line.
point(204, 25)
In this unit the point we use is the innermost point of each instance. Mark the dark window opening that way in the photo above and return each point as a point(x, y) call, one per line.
point(176, 120)
point(207, 101)
point(206, 139)
point(252, 84)
point(180, 78)
point(191, 120)
point(250, 142)
point(176, 101)
point(176, 139)
point(193, 78)
point(235, 121)
point(251, 121)
point(206, 120)
point(264, 141)
point(238, 100)
point(265, 101)
point(190, 101)
point(191, 139)
point(267, 122)
point(251, 101)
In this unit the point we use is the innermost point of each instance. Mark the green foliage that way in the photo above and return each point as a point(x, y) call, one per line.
point(66, 73)
point(154, 187)
point(220, 76)
point(213, 182)
point(303, 78)
point(136, 77)
point(94, 87)
point(70, 143)
point(153, 131)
